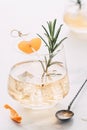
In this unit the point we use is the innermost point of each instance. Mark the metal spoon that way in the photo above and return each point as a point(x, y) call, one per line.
point(64, 115)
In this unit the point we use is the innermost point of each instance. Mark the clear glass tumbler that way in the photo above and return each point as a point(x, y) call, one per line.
point(41, 82)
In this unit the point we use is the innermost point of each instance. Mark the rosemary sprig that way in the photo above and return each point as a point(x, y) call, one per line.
point(52, 34)
point(79, 3)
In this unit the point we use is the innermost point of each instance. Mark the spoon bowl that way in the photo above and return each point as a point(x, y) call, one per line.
point(64, 115)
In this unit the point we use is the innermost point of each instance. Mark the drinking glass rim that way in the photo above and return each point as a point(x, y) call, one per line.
point(38, 54)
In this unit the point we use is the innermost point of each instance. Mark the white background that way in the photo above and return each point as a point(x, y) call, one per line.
point(28, 16)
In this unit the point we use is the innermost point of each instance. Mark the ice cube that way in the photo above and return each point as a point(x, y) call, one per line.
point(25, 76)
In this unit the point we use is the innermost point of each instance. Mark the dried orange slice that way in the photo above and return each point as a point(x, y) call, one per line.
point(13, 114)
point(30, 46)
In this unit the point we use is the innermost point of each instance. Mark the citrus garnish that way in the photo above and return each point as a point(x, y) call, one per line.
point(30, 46)
point(13, 114)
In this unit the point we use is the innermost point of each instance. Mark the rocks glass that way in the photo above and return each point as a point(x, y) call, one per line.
point(38, 87)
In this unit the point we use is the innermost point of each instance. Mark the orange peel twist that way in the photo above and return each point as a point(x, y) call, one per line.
point(13, 114)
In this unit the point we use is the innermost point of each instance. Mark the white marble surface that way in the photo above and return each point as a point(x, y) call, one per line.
point(28, 16)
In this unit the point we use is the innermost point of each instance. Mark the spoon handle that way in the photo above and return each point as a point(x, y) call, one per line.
point(76, 94)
